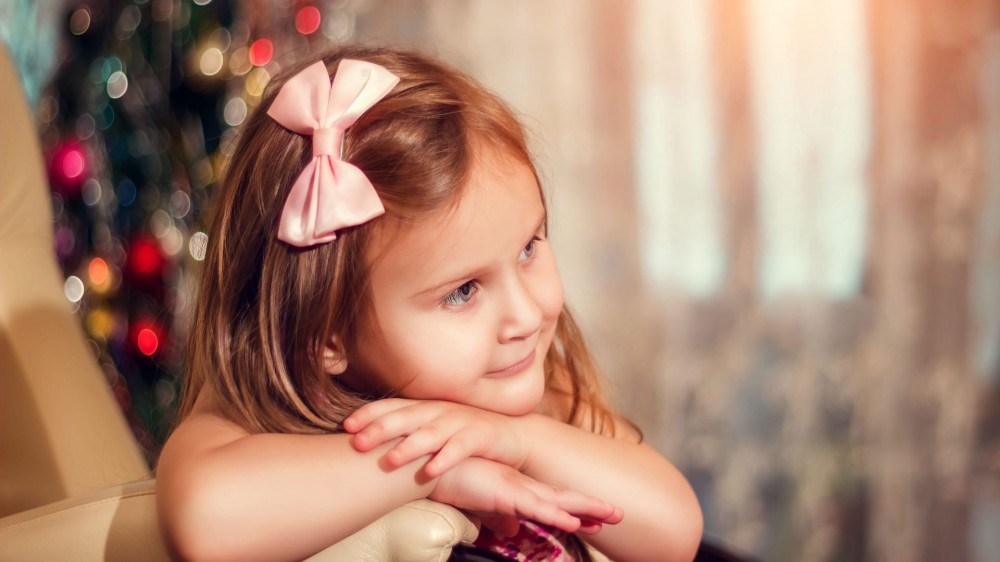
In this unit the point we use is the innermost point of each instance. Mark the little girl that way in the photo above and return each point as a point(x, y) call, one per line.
point(381, 320)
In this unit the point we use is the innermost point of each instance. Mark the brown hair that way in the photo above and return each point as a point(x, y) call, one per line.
point(266, 309)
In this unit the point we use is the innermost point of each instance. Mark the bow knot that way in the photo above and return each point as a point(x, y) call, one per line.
point(329, 194)
point(327, 142)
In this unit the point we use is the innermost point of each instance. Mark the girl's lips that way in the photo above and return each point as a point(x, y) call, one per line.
point(515, 368)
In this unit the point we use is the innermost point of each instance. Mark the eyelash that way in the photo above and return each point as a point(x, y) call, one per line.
point(455, 298)
point(464, 293)
point(529, 249)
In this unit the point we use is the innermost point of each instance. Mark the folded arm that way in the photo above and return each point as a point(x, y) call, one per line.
point(226, 495)
point(662, 518)
point(223, 494)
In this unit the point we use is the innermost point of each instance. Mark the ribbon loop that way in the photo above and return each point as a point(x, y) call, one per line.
point(329, 194)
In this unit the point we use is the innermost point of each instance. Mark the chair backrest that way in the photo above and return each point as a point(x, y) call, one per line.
point(61, 431)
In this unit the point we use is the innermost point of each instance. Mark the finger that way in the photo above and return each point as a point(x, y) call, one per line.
point(398, 423)
point(617, 517)
point(587, 507)
point(371, 411)
point(454, 450)
point(425, 440)
point(579, 504)
point(535, 508)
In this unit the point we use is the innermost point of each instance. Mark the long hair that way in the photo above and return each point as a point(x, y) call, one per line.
point(266, 309)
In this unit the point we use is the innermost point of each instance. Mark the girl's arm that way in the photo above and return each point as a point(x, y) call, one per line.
point(226, 495)
point(662, 518)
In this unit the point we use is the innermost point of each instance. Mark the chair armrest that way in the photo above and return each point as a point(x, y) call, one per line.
point(119, 523)
point(419, 531)
point(116, 523)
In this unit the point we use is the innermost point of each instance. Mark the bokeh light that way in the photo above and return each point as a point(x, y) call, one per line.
point(307, 20)
point(71, 162)
point(73, 288)
point(100, 322)
point(68, 167)
point(256, 82)
point(239, 61)
point(198, 245)
point(117, 85)
point(126, 192)
point(144, 259)
point(91, 192)
point(129, 20)
point(172, 241)
point(211, 61)
point(148, 341)
point(235, 112)
point(79, 22)
point(261, 52)
point(85, 126)
point(98, 271)
point(180, 204)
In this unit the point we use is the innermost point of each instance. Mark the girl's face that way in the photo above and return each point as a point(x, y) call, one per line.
point(466, 302)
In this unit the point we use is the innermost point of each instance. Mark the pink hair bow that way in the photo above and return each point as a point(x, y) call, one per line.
point(329, 194)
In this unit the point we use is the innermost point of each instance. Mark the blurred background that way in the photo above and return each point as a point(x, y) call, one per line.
point(777, 220)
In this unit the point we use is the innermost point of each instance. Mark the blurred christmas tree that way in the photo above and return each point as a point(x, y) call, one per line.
point(135, 126)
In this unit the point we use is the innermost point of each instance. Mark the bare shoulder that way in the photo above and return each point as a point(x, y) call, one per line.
point(205, 430)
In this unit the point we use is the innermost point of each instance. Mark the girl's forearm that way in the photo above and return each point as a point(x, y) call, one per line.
point(662, 517)
point(275, 497)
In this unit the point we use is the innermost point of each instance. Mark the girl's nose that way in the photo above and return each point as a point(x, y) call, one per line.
point(521, 316)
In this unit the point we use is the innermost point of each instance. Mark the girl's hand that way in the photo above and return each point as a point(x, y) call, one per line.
point(500, 495)
point(451, 432)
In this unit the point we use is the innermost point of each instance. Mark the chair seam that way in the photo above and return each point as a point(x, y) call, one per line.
point(75, 508)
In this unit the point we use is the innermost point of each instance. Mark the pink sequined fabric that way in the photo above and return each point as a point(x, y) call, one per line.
point(532, 543)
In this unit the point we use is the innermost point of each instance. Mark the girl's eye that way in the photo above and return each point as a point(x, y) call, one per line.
point(461, 295)
point(529, 250)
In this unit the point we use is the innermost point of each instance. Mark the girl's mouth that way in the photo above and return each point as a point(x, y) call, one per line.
point(513, 369)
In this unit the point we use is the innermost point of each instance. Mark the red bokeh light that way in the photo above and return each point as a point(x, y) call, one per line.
point(72, 164)
point(148, 341)
point(144, 258)
point(261, 52)
point(68, 167)
point(307, 20)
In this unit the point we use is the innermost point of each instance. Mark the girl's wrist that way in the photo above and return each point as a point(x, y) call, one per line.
point(528, 429)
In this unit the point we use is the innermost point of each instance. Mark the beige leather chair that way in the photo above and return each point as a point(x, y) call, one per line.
point(73, 483)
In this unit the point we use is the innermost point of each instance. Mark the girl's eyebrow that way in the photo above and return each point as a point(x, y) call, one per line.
point(479, 271)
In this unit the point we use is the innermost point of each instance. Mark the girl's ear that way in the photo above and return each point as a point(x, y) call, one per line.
point(334, 357)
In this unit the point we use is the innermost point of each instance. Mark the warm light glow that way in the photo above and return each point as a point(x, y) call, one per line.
point(256, 81)
point(261, 52)
point(79, 22)
point(307, 20)
point(211, 61)
point(100, 323)
point(98, 271)
point(148, 341)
